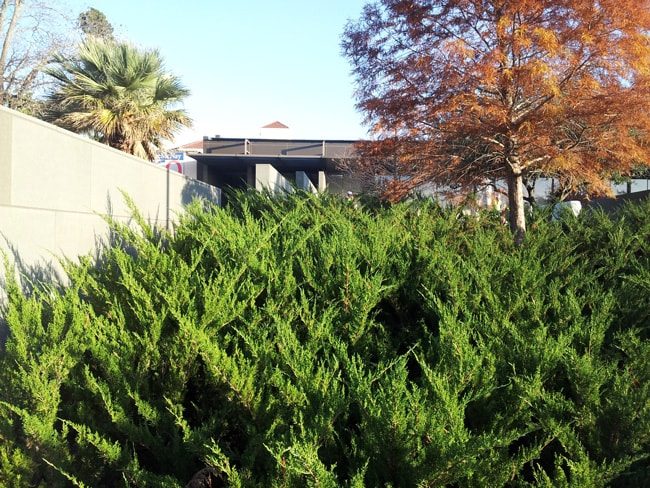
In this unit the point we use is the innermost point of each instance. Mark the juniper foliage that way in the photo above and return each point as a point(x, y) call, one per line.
point(306, 342)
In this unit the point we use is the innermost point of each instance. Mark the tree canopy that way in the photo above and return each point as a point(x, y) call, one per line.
point(93, 22)
point(467, 91)
point(30, 33)
point(119, 94)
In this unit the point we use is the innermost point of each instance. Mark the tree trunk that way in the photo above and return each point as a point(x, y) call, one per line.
point(6, 43)
point(516, 206)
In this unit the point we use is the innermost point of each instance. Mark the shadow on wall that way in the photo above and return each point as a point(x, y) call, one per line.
point(45, 274)
point(31, 277)
point(195, 189)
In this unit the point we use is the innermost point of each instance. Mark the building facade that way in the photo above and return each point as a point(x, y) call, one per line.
point(313, 165)
point(283, 164)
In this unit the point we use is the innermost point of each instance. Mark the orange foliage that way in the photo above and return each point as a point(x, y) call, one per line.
point(464, 90)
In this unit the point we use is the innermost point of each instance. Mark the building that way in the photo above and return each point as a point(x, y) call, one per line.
point(190, 148)
point(275, 164)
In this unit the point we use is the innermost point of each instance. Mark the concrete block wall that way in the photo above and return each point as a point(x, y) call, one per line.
point(55, 186)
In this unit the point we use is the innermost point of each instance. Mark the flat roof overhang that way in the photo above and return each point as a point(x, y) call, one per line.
point(287, 141)
point(280, 163)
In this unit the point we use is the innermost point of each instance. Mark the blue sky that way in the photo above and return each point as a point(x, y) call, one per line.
point(248, 63)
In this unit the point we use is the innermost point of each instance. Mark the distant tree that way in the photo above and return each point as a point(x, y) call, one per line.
point(30, 34)
point(464, 91)
point(93, 22)
point(118, 94)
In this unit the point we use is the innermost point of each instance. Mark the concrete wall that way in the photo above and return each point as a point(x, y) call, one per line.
point(268, 178)
point(322, 181)
point(55, 185)
point(304, 183)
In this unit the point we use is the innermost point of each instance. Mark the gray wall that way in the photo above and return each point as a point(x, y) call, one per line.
point(55, 185)
point(268, 178)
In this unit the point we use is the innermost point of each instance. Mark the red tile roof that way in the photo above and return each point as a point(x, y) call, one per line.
point(275, 125)
point(192, 145)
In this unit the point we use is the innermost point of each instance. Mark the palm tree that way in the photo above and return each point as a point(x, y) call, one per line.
point(119, 95)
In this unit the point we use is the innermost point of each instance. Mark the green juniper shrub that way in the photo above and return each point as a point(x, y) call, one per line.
point(301, 341)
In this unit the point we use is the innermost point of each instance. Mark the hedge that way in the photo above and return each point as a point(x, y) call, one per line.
point(308, 341)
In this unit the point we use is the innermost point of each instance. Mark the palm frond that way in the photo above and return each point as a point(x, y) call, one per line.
point(120, 94)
